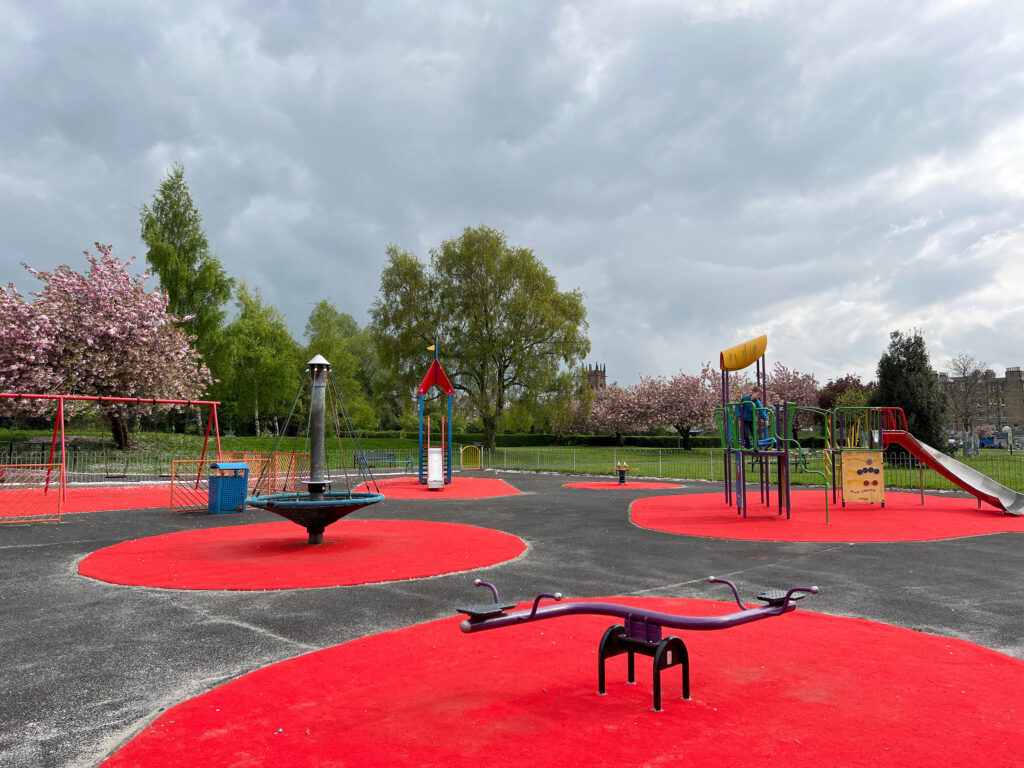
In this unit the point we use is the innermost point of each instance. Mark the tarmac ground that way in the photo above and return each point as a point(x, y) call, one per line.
point(88, 664)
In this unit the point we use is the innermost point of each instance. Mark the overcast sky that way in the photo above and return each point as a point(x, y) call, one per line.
point(823, 172)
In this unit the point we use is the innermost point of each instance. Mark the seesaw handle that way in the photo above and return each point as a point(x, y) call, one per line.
point(536, 602)
point(494, 589)
point(735, 592)
point(801, 590)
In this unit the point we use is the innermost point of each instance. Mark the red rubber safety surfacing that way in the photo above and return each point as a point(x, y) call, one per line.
point(902, 519)
point(277, 556)
point(802, 689)
point(95, 499)
point(615, 485)
point(458, 488)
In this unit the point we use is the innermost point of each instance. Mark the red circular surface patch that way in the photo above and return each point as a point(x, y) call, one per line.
point(276, 555)
point(614, 485)
point(902, 519)
point(802, 689)
point(458, 488)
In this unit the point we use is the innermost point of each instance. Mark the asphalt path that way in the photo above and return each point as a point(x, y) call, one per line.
point(86, 665)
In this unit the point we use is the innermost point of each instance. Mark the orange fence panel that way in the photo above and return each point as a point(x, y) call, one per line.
point(190, 485)
point(277, 473)
point(30, 493)
point(256, 460)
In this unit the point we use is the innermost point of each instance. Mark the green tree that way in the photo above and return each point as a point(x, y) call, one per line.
point(179, 255)
point(337, 336)
point(266, 364)
point(829, 394)
point(568, 408)
point(506, 331)
point(853, 397)
point(906, 380)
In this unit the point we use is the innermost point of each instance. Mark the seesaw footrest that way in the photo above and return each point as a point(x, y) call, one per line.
point(485, 610)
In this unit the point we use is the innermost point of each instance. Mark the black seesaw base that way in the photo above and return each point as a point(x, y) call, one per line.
point(639, 636)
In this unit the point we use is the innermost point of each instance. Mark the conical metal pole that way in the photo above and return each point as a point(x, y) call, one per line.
point(318, 368)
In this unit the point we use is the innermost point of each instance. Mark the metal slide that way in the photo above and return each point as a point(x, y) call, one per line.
point(971, 480)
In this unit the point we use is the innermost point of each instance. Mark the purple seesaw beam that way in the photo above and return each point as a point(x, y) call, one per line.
point(496, 615)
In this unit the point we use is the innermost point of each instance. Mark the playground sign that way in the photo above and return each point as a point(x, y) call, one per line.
point(863, 477)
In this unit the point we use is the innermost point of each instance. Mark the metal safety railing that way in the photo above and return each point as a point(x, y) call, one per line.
point(680, 464)
point(96, 465)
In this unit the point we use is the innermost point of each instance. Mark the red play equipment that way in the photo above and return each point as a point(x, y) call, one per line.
point(58, 426)
point(436, 377)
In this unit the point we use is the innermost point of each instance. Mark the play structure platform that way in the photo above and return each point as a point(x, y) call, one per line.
point(753, 436)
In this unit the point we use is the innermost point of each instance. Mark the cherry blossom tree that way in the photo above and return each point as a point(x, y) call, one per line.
point(615, 410)
point(26, 345)
point(101, 334)
point(650, 403)
point(690, 401)
point(740, 384)
point(792, 386)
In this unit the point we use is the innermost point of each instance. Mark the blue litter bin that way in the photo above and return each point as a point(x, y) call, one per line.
point(229, 487)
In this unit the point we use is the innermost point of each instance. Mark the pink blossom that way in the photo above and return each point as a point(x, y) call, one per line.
point(98, 333)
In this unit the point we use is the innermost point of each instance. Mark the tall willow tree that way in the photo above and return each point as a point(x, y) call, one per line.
point(506, 330)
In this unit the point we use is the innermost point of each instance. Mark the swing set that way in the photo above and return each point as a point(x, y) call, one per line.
point(35, 482)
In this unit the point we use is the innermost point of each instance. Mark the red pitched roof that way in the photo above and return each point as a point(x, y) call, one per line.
point(435, 377)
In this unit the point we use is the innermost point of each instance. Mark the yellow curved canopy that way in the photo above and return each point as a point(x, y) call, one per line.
point(739, 357)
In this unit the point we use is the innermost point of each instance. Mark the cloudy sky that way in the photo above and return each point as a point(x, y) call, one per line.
point(823, 172)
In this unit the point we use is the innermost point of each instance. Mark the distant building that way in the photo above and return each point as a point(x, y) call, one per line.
point(998, 400)
point(596, 376)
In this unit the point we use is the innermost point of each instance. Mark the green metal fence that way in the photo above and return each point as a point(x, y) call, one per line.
point(668, 463)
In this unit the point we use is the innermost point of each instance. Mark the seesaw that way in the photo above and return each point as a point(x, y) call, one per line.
point(641, 630)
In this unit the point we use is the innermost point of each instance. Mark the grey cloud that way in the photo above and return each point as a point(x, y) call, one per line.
point(698, 175)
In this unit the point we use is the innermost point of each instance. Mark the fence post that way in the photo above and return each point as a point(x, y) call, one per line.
point(574, 461)
point(660, 473)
